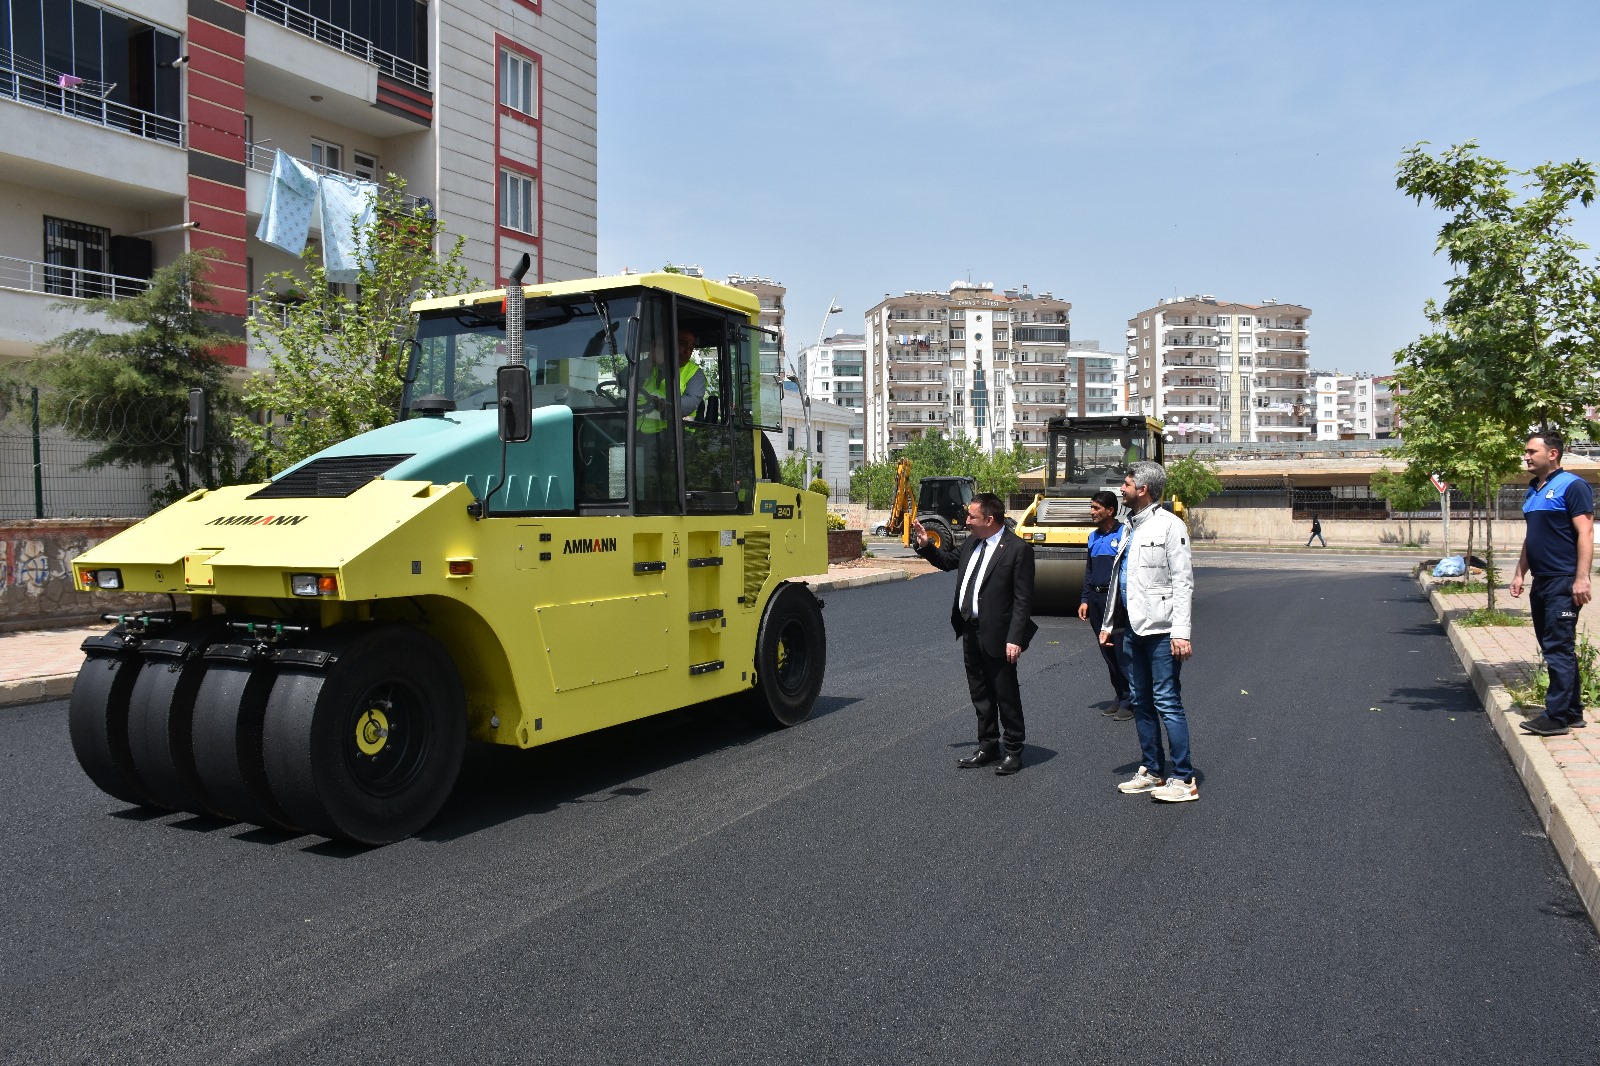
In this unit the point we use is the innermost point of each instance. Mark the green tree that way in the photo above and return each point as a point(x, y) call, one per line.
point(1514, 345)
point(793, 470)
point(126, 389)
point(1193, 479)
point(335, 360)
point(1407, 490)
point(873, 483)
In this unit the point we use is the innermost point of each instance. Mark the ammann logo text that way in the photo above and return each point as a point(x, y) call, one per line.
point(258, 520)
point(584, 547)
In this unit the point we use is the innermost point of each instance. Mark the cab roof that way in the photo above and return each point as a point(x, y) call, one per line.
point(712, 292)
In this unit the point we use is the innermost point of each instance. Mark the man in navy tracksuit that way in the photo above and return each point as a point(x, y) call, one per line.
point(1558, 550)
point(1103, 544)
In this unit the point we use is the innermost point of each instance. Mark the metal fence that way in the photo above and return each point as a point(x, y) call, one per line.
point(45, 471)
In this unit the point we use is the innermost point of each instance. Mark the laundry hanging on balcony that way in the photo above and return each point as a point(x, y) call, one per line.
point(291, 198)
point(348, 209)
point(296, 191)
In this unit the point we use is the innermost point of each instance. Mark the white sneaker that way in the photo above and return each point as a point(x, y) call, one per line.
point(1143, 781)
point(1176, 790)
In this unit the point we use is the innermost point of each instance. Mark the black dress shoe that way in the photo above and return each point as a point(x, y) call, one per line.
point(981, 757)
point(1010, 764)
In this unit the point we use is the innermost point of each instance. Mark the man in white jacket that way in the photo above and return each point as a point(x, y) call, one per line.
point(1152, 587)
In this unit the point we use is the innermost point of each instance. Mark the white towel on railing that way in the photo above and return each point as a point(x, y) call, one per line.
point(348, 209)
point(291, 197)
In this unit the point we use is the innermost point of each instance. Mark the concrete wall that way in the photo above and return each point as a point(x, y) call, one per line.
point(1276, 526)
point(36, 576)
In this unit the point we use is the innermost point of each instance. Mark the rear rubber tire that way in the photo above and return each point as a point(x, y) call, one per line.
point(791, 657)
point(228, 714)
point(97, 720)
point(161, 723)
point(938, 530)
point(317, 721)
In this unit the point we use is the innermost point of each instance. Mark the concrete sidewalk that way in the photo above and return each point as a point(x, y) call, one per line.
point(1561, 774)
point(40, 664)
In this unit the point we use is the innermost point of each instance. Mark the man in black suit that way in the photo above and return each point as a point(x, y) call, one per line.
point(992, 615)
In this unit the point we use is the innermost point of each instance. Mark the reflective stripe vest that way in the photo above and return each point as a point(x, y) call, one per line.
point(651, 419)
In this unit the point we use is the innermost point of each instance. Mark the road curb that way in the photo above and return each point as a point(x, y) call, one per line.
point(1570, 827)
point(36, 689)
point(834, 584)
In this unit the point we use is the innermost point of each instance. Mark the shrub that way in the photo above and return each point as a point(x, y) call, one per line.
point(835, 521)
point(820, 487)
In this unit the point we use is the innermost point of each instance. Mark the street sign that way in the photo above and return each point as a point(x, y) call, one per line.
point(1439, 482)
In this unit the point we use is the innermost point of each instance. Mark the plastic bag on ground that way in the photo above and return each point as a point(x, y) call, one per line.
point(1450, 566)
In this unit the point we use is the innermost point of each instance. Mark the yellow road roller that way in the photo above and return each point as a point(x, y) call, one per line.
point(578, 524)
point(1085, 454)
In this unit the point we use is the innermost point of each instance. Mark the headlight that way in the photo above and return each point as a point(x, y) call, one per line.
point(314, 584)
point(103, 579)
point(1038, 538)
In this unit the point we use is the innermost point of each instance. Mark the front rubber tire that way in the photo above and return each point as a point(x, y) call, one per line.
point(791, 657)
point(161, 720)
point(367, 747)
point(97, 721)
point(228, 715)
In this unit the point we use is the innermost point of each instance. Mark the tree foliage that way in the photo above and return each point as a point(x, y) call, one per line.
point(1513, 345)
point(335, 360)
point(936, 455)
point(1193, 479)
point(1407, 490)
point(127, 388)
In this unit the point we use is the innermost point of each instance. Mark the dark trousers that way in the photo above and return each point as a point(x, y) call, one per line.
point(996, 696)
point(1114, 656)
point(1555, 624)
point(1316, 534)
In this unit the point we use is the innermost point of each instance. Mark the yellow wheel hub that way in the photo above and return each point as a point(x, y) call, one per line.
point(372, 731)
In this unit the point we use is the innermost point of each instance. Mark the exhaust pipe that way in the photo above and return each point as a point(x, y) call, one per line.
point(516, 316)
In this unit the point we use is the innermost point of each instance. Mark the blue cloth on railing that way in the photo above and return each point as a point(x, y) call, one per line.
point(291, 197)
point(348, 209)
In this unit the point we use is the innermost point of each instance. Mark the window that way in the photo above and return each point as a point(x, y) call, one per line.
point(516, 202)
point(518, 82)
point(364, 166)
point(76, 254)
point(325, 156)
point(819, 442)
point(790, 435)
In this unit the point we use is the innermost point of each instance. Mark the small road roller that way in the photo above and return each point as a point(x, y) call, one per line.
point(578, 524)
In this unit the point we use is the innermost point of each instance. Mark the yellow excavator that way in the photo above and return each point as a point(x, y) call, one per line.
point(940, 505)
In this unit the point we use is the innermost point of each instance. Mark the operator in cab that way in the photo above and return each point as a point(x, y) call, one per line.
point(654, 405)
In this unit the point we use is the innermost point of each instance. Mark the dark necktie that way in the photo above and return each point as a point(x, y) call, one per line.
point(969, 602)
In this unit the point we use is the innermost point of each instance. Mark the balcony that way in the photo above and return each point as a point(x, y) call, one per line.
point(1272, 344)
point(30, 291)
point(111, 152)
point(1190, 403)
point(318, 68)
point(1192, 383)
point(258, 158)
point(1191, 342)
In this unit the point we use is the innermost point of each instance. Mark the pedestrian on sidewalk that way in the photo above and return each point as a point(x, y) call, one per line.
point(1152, 587)
point(1558, 553)
point(993, 617)
point(1104, 542)
point(1316, 530)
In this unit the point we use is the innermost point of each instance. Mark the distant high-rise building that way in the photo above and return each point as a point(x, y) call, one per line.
point(971, 362)
point(1353, 407)
point(1219, 371)
point(835, 372)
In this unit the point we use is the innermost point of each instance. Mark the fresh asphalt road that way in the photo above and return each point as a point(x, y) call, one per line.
point(1362, 881)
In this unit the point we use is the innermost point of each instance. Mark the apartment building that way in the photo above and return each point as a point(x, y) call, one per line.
point(1353, 407)
point(969, 361)
point(1219, 371)
point(835, 372)
point(141, 129)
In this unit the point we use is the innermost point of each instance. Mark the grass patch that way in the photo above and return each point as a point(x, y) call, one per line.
point(1482, 616)
point(1532, 694)
point(1451, 588)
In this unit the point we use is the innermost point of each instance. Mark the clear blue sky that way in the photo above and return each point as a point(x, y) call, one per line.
point(1110, 153)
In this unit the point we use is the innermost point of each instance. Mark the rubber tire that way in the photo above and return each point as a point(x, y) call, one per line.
point(938, 531)
point(97, 720)
point(161, 723)
point(783, 698)
point(308, 734)
point(228, 715)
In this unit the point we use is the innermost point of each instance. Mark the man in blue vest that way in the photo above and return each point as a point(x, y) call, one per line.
point(1105, 540)
point(1558, 551)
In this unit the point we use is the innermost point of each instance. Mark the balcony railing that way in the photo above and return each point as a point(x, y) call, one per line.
point(48, 95)
point(342, 39)
point(71, 282)
point(1192, 342)
point(259, 157)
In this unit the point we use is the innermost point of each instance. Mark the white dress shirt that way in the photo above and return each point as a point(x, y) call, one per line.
point(975, 574)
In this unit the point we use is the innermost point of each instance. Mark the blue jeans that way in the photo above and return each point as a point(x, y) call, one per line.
point(1157, 696)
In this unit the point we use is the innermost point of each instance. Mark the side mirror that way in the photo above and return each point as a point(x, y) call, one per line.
point(194, 423)
point(515, 386)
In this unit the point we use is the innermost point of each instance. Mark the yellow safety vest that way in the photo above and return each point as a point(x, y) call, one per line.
point(650, 419)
